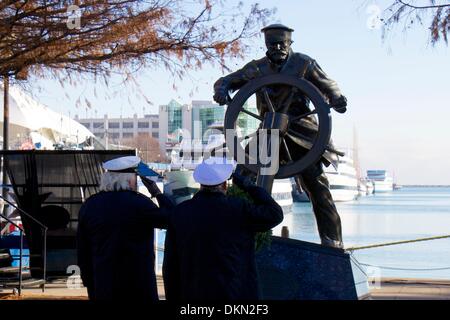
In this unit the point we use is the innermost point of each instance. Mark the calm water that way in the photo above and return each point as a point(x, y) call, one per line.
point(405, 214)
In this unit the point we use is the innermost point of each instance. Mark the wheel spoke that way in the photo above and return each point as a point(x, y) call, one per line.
point(251, 135)
point(300, 139)
point(220, 147)
point(303, 115)
point(252, 114)
point(299, 135)
point(288, 102)
point(267, 98)
point(307, 143)
point(283, 141)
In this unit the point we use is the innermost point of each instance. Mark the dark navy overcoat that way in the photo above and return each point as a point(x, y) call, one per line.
point(210, 246)
point(116, 245)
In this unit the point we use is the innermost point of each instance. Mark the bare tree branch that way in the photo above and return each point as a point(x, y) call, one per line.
point(409, 14)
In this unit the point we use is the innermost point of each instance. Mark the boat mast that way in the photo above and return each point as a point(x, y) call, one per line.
point(356, 155)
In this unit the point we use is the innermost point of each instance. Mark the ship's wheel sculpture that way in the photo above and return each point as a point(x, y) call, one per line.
point(277, 117)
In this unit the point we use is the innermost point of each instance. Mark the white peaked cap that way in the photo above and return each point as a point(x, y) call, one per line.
point(214, 171)
point(122, 164)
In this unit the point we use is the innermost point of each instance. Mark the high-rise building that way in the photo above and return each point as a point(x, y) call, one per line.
point(205, 114)
point(175, 124)
point(247, 124)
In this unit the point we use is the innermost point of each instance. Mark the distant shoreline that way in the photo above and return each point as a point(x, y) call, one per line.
point(424, 186)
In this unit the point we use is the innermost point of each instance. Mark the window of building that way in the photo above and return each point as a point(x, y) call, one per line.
point(155, 135)
point(100, 135)
point(143, 125)
point(143, 134)
point(114, 135)
point(127, 135)
point(98, 125)
point(247, 123)
point(86, 124)
point(155, 125)
point(113, 125)
point(206, 117)
point(128, 125)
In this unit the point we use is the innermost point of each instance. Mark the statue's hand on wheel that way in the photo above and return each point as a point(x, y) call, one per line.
point(339, 104)
point(221, 97)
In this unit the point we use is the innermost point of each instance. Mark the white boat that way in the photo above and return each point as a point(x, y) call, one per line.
point(382, 181)
point(362, 188)
point(343, 181)
point(180, 185)
point(365, 187)
point(282, 193)
point(370, 187)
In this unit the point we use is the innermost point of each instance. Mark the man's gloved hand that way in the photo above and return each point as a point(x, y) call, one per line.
point(151, 186)
point(242, 181)
point(221, 97)
point(339, 104)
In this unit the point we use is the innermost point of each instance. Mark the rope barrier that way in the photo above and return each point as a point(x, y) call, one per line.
point(404, 269)
point(350, 250)
point(396, 243)
point(358, 263)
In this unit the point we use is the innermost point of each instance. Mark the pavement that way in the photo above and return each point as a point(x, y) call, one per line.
point(388, 289)
point(411, 289)
point(60, 289)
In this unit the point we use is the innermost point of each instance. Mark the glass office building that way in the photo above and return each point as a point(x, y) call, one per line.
point(205, 114)
point(247, 124)
point(174, 116)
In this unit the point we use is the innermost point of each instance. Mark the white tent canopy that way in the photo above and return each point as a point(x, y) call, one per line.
point(41, 122)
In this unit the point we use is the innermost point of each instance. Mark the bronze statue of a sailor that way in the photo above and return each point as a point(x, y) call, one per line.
point(280, 59)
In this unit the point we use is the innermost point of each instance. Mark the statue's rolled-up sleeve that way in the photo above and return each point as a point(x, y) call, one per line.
point(320, 79)
point(234, 81)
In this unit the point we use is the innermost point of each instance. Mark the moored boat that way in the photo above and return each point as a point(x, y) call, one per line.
point(382, 181)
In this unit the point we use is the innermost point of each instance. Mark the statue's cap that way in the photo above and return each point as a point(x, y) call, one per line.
point(276, 26)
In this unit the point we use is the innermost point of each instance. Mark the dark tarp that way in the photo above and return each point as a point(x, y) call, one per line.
point(63, 178)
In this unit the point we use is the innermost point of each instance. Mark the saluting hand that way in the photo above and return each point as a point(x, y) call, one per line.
point(241, 181)
point(151, 186)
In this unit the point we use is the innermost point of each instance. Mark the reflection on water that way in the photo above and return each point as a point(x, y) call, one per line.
point(405, 214)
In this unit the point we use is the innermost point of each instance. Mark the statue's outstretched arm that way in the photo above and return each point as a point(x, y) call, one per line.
point(327, 86)
point(234, 81)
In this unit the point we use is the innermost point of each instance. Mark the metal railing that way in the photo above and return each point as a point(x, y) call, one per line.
point(20, 251)
point(21, 230)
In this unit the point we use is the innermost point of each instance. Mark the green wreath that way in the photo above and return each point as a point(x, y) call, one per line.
point(262, 239)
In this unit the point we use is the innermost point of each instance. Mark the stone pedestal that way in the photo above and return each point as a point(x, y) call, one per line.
point(297, 270)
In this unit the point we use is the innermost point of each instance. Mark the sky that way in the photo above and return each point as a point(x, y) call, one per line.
point(398, 89)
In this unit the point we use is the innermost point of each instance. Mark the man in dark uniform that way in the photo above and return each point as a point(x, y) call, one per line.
point(115, 235)
point(281, 59)
point(210, 241)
